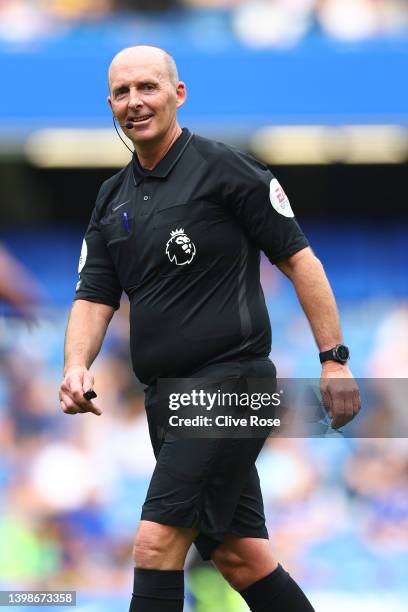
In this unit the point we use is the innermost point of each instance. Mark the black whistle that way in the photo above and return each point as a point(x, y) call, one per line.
point(90, 395)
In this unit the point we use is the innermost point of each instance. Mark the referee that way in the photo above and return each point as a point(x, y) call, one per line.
point(180, 230)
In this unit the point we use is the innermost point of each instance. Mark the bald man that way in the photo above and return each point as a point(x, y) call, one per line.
point(180, 230)
point(150, 107)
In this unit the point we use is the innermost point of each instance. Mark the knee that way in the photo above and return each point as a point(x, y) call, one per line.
point(148, 550)
point(161, 547)
point(232, 566)
point(244, 561)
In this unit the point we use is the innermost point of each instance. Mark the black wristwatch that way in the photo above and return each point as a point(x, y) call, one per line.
point(339, 353)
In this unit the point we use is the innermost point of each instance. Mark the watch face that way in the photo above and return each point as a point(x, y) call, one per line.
point(342, 352)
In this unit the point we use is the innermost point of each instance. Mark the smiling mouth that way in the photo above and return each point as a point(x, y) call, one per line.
point(140, 119)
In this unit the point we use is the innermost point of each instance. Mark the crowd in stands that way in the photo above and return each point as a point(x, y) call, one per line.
point(258, 23)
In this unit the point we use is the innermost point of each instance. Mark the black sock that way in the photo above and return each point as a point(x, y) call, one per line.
point(157, 591)
point(277, 592)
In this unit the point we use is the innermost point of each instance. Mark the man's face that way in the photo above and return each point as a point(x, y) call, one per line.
point(142, 92)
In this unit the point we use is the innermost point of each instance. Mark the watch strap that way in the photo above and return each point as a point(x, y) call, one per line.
point(339, 353)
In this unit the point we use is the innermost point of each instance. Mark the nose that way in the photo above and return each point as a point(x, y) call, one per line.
point(134, 98)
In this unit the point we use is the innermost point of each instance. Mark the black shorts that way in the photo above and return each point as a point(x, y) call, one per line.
point(208, 483)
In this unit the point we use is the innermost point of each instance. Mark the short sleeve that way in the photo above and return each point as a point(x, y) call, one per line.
point(261, 206)
point(98, 281)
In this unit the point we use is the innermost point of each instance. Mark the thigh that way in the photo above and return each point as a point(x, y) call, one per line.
point(243, 511)
point(243, 548)
point(249, 515)
point(209, 484)
point(176, 488)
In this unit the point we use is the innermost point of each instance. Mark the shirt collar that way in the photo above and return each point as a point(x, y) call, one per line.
point(166, 164)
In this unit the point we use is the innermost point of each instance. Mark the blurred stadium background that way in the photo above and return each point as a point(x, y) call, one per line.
point(317, 89)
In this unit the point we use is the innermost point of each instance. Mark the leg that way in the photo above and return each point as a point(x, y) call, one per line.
point(204, 490)
point(159, 554)
point(161, 547)
point(243, 561)
point(250, 568)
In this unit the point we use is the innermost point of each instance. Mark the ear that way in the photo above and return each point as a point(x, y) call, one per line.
point(181, 94)
point(110, 103)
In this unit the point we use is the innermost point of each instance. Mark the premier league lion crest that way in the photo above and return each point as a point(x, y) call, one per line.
point(179, 249)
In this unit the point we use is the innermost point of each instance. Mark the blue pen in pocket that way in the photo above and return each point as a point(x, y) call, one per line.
point(126, 221)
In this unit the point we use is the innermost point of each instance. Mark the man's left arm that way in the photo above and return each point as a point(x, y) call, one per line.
point(341, 396)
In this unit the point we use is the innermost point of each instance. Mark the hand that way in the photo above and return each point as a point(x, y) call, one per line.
point(340, 393)
point(76, 382)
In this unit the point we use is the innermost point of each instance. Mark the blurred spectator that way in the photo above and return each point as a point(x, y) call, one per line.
point(361, 19)
point(283, 23)
point(83, 9)
point(377, 474)
point(349, 19)
point(214, 4)
point(18, 288)
point(27, 553)
point(147, 5)
point(273, 23)
point(389, 358)
point(302, 508)
point(78, 9)
point(22, 20)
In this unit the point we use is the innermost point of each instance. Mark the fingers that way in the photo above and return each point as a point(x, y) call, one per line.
point(92, 408)
point(345, 401)
point(88, 381)
point(70, 407)
point(339, 417)
point(356, 401)
point(75, 386)
point(72, 390)
point(327, 402)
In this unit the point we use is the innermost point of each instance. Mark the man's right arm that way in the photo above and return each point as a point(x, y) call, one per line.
point(97, 296)
point(86, 330)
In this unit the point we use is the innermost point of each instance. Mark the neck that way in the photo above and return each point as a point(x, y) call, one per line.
point(150, 154)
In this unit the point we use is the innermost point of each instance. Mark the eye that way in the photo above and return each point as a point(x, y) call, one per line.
point(120, 93)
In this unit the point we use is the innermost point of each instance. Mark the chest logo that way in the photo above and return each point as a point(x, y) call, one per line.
point(179, 248)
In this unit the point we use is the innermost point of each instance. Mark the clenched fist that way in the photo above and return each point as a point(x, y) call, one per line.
point(340, 393)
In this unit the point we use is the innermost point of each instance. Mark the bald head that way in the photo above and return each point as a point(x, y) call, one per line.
point(144, 96)
point(146, 55)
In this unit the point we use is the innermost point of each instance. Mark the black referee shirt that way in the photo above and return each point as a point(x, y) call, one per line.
point(183, 241)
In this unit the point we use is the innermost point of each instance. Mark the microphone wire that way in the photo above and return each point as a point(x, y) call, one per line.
point(117, 131)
